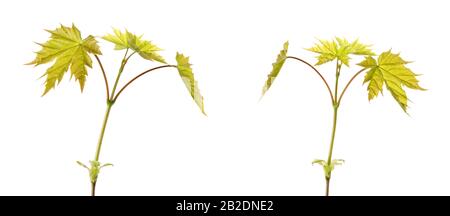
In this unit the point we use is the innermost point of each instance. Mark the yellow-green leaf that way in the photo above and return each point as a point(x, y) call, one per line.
point(389, 70)
point(276, 67)
point(328, 169)
point(339, 49)
point(327, 51)
point(185, 71)
point(127, 40)
point(70, 51)
point(119, 38)
point(94, 170)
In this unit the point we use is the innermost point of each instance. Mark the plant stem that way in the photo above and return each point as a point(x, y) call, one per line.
point(338, 73)
point(318, 73)
point(330, 152)
point(141, 74)
point(109, 105)
point(93, 188)
point(102, 132)
point(122, 66)
point(348, 84)
point(104, 76)
point(100, 141)
point(333, 132)
point(335, 109)
point(327, 190)
point(111, 99)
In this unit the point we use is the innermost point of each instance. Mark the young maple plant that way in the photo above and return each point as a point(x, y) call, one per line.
point(68, 50)
point(388, 70)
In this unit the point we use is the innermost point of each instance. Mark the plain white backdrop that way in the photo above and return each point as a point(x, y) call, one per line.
point(161, 144)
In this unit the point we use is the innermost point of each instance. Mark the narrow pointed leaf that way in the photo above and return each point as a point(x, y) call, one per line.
point(276, 67)
point(319, 161)
point(185, 71)
point(82, 164)
point(337, 162)
point(106, 164)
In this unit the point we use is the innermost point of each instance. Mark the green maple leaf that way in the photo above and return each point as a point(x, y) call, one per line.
point(276, 67)
point(70, 51)
point(127, 40)
point(185, 71)
point(340, 49)
point(390, 70)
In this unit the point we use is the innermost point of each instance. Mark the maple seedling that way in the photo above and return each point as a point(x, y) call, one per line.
point(388, 70)
point(68, 50)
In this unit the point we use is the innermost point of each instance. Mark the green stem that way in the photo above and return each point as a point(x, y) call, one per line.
point(330, 152)
point(99, 144)
point(336, 104)
point(109, 104)
point(338, 73)
point(122, 66)
point(333, 132)
point(102, 132)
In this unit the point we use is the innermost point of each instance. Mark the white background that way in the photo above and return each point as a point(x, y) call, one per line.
point(161, 144)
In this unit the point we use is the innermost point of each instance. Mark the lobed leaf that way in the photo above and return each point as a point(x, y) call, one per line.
point(339, 49)
point(127, 40)
point(389, 70)
point(69, 50)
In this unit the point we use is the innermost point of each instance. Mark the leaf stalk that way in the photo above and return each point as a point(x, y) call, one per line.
point(318, 73)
